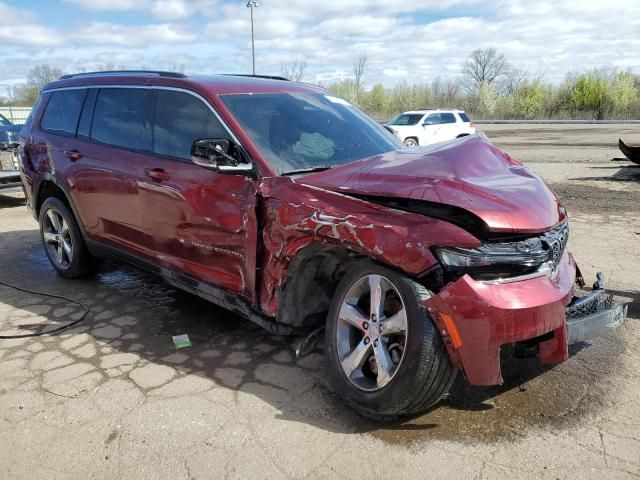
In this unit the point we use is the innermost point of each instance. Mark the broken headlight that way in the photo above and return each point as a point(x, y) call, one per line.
point(490, 261)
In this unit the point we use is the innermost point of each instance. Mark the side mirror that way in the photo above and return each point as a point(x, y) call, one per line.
point(217, 154)
point(427, 122)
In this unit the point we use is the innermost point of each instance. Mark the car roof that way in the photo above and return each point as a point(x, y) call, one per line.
point(434, 110)
point(220, 84)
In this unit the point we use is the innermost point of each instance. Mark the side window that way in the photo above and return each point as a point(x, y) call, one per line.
point(119, 118)
point(434, 119)
point(447, 118)
point(62, 112)
point(27, 124)
point(464, 117)
point(84, 124)
point(181, 118)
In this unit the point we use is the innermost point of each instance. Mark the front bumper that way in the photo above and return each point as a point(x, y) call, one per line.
point(487, 316)
point(593, 315)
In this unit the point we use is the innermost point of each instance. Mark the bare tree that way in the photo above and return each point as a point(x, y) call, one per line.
point(294, 71)
point(37, 78)
point(513, 78)
point(484, 67)
point(359, 69)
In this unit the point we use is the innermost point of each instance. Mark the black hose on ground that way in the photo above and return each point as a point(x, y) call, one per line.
point(54, 330)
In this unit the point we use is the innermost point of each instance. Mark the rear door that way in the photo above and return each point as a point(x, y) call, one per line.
point(431, 129)
point(449, 128)
point(113, 133)
point(198, 221)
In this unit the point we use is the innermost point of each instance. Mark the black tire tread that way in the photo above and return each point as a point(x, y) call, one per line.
point(434, 374)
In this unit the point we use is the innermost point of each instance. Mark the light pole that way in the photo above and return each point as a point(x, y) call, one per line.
point(251, 4)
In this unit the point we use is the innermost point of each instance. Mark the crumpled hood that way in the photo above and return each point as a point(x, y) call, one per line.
point(469, 173)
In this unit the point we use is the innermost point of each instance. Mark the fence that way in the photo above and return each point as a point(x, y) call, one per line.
point(16, 115)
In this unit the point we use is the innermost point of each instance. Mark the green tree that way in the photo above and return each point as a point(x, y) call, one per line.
point(623, 91)
point(485, 99)
point(377, 101)
point(528, 99)
point(591, 93)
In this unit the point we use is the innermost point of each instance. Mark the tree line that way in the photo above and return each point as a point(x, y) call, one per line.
point(489, 86)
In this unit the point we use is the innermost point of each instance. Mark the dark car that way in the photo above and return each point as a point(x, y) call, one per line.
point(9, 133)
point(286, 204)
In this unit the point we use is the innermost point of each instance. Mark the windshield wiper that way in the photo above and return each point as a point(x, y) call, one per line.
point(309, 170)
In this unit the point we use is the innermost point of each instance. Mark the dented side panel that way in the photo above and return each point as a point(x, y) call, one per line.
point(297, 215)
point(203, 223)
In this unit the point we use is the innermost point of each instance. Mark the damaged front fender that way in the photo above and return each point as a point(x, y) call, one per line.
point(297, 215)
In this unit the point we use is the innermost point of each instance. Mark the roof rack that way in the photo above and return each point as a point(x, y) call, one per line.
point(119, 73)
point(268, 77)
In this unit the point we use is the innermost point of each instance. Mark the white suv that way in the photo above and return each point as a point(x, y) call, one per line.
point(424, 127)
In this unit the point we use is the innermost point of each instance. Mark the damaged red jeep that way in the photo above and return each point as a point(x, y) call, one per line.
point(286, 204)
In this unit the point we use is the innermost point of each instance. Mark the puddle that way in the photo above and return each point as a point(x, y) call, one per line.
point(533, 396)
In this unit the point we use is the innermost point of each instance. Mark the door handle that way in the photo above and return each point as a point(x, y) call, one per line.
point(73, 155)
point(157, 174)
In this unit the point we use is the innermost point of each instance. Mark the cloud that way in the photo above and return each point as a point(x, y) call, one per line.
point(412, 41)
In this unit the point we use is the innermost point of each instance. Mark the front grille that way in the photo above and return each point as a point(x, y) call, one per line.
point(589, 304)
point(556, 241)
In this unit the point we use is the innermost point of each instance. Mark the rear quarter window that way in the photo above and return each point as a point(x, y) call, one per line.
point(120, 118)
point(62, 111)
point(447, 118)
point(464, 117)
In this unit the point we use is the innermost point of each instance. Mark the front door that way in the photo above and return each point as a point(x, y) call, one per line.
point(197, 221)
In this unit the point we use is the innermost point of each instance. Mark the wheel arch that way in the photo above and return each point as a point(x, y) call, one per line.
point(47, 185)
point(317, 268)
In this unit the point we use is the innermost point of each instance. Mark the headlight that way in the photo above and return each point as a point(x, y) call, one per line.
point(492, 260)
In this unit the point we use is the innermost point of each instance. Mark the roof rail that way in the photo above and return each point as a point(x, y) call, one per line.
point(268, 77)
point(118, 73)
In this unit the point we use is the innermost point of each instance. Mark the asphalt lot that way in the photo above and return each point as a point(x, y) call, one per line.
point(112, 398)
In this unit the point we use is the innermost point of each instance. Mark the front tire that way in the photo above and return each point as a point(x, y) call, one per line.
point(388, 328)
point(411, 142)
point(62, 240)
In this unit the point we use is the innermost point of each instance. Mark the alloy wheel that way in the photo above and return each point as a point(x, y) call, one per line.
point(371, 333)
point(57, 238)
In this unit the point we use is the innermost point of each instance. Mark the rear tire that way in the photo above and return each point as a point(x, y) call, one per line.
point(411, 142)
point(420, 372)
point(62, 240)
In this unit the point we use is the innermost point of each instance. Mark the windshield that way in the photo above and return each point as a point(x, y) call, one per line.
point(306, 131)
point(4, 121)
point(406, 119)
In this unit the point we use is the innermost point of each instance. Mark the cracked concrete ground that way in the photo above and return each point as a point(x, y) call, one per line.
point(112, 398)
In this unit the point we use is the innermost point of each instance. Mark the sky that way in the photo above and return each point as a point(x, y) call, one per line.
point(414, 41)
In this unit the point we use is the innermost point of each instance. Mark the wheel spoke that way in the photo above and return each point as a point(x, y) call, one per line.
point(354, 360)
point(352, 315)
point(55, 220)
point(67, 248)
point(376, 296)
point(50, 237)
point(60, 254)
point(383, 363)
point(395, 324)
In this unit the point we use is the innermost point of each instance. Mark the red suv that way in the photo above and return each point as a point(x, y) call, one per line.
point(285, 203)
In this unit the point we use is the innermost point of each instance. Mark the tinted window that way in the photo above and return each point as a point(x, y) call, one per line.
point(447, 118)
point(119, 118)
point(62, 111)
point(301, 131)
point(84, 125)
point(406, 119)
point(465, 118)
point(434, 119)
point(180, 119)
point(4, 121)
